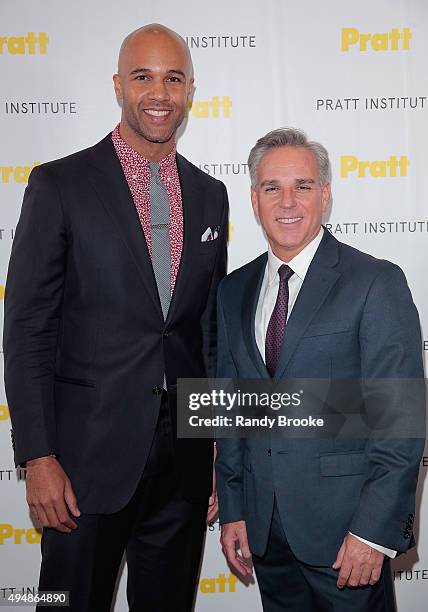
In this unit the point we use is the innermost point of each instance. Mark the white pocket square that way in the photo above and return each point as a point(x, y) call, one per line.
point(210, 234)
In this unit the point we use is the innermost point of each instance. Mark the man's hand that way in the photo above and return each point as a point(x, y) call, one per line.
point(50, 495)
point(213, 501)
point(234, 537)
point(359, 563)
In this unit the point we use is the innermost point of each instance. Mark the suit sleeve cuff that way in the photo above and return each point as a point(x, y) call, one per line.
point(386, 551)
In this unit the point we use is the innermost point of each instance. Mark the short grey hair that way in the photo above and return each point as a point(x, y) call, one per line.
point(289, 137)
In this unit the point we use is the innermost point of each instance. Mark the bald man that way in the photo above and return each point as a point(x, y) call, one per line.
point(110, 298)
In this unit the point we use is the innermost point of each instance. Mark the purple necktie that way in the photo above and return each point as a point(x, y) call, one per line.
point(276, 327)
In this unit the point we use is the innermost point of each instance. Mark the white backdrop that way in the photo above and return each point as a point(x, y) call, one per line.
point(353, 75)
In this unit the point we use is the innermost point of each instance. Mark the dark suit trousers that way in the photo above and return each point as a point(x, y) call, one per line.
point(161, 533)
point(288, 585)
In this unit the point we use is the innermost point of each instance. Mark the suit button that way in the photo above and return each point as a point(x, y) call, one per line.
point(165, 334)
point(269, 452)
point(157, 390)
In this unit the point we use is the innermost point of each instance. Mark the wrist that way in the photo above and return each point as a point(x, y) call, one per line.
point(32, 462)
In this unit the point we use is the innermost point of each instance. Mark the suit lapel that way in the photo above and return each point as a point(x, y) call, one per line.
point(249, 308)
point(112, 188)
point(192, 203)
point(319, 281)
point(110, 183)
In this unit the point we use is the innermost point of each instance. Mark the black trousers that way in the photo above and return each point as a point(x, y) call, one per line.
point(288, 585)
point(161, 533)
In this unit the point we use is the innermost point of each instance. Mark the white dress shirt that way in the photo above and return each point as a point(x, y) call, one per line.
point(267, 299)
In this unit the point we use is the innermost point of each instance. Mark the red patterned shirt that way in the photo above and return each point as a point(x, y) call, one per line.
point(137, 173)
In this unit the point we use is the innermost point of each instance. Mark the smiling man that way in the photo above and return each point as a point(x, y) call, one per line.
point(110, 297)
point(319, 517)
point(154, 83)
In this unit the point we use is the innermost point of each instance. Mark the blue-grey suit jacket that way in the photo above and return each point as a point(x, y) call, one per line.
point(354, 318)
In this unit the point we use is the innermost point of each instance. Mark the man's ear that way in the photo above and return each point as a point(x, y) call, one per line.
point(255, 202)
point(190, 89)
point(326, 195)
point(117, 86)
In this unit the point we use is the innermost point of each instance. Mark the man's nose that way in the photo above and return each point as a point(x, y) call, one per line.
point(288, 199)
point(159, 91)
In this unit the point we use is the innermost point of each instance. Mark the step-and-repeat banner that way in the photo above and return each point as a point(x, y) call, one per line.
point(353, 75)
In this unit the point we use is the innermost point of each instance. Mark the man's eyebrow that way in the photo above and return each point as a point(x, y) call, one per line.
point(176, 71)
point(147, 71)
point(305, 180)
point(269, 182)
point(137, 70)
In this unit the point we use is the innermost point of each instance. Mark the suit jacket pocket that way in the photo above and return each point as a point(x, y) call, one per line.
point(343, 464)
point(326, 328)
point(209, 246)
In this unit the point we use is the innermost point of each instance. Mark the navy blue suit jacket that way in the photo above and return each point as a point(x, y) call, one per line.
point(354, 318)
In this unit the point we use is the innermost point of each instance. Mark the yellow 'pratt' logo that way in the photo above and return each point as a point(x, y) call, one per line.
point(395, 40)
point(2, 290)
point(18, 174)
point(221, 584)
point(21, 45)
point(207, 109)
point(8, 534)
point(4, 413)
point(351, 165)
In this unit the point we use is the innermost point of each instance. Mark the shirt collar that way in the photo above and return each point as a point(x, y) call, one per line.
point(125, 152)
point(299, 264)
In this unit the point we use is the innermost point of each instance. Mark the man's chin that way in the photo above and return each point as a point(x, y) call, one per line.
point(155, 140)
point(157, 137)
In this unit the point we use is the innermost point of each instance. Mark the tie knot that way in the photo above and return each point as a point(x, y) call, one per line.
point(154, 168)
point(285, 273)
